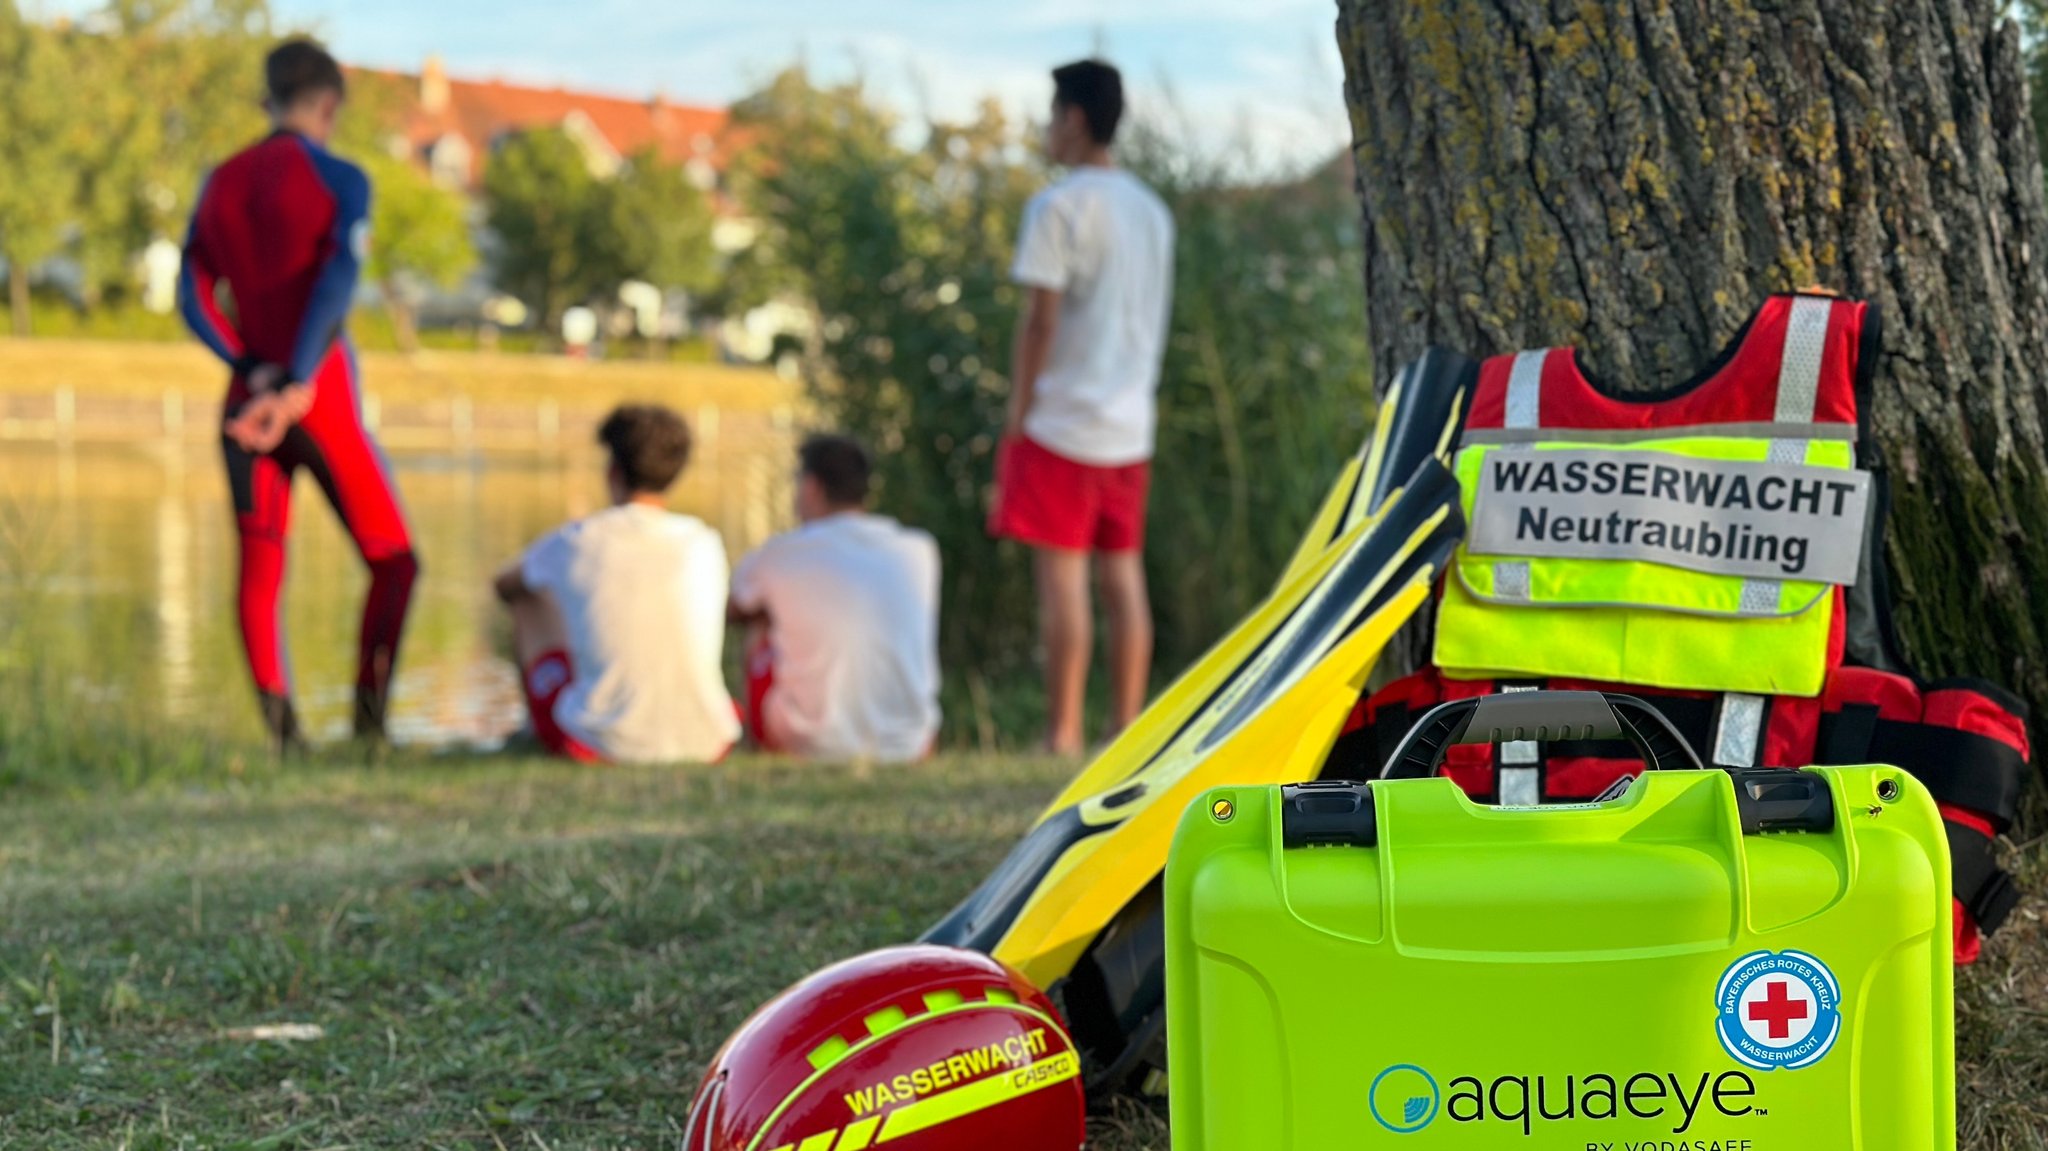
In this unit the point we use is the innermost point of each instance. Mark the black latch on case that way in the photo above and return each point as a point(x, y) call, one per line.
point(1773, 799)
point(1327, 813)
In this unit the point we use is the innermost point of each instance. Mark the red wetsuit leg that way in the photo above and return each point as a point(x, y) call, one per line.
point(262, 490)
point(357, 481)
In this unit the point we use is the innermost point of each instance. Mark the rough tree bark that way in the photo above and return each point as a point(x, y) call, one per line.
point(1633, 176)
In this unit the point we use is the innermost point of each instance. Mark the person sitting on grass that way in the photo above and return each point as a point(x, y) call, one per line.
point(618, 619)
point(842, 659)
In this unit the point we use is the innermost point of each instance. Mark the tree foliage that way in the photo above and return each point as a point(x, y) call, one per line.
point(1266, 383)
point(567, 235)
point(663, 222)
point(419, 235)
point(541, 198)
point(419, 226)
point(905, 253)
point(38, 140)
point(107, 125)
point(171, 95)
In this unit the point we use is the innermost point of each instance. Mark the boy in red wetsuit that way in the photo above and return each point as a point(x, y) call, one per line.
point(284, 226)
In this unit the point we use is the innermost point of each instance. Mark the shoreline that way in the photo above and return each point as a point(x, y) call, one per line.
point(84, 392)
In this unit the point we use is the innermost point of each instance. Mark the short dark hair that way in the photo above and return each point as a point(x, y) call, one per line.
point(841, 467)
point(649, 445)
point(1097, 89)
point(300, 67)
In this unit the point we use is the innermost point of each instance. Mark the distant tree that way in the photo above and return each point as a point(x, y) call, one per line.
point(663, 223)
point(207, 60)
point(566, 235)
point(153, 92)
point(815, 150)
point(113, 160)
point(38, 138)
point(556, 240)
point(418, 234)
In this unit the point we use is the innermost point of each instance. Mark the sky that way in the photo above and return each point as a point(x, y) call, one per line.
point(1264, 72)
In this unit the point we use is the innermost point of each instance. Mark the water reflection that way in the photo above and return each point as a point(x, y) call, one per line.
point(130, 549)
point(174, 590)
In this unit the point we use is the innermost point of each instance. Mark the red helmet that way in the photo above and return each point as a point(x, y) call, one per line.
point(922, 1048)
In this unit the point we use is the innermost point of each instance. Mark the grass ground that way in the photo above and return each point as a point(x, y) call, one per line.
point(500, 953)
point(521, 954)
point(113, 368)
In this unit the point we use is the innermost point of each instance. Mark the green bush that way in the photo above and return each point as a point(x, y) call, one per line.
point(53, 317)
point(1266, 386)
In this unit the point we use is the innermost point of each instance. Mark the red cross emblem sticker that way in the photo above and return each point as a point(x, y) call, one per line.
point(1778, 1009)
point(1773, 1014)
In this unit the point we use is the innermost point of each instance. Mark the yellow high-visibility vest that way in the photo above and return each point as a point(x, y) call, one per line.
point(1693, 541)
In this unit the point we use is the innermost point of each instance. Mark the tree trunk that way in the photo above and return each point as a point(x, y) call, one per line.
point(405, 331)
point(17, 299)
point(1633, 176)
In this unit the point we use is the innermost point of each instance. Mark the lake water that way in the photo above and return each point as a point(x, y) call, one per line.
point(126, 555)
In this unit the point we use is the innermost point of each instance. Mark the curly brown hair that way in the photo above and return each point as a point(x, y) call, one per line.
point(649, 444)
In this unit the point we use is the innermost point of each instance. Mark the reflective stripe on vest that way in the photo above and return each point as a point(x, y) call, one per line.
point(1525, 402)
point(1719, 616)
point(1806, 333)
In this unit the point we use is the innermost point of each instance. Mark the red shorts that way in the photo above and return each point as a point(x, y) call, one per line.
point(546, 680)
point(1047, 500)
point(760, 681)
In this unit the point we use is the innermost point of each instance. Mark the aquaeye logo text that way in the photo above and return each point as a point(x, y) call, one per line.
point(1405, 1098)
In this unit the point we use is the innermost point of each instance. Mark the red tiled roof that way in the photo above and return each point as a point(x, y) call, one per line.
point(482, 111)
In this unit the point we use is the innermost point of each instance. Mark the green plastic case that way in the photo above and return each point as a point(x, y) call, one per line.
point(1393, 965)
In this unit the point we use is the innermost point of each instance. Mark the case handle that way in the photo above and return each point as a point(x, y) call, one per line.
point(1766, 799)
point(1540, 715)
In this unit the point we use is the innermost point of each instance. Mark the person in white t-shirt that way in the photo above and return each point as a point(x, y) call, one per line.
point(1095, 258)
point(844, 660)
point(618, 618)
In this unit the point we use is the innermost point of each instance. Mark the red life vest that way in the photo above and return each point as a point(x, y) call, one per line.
point(1965, 740)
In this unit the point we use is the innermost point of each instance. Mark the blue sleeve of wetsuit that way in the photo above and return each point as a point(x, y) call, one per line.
point(196, 279)
point(335, 290)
